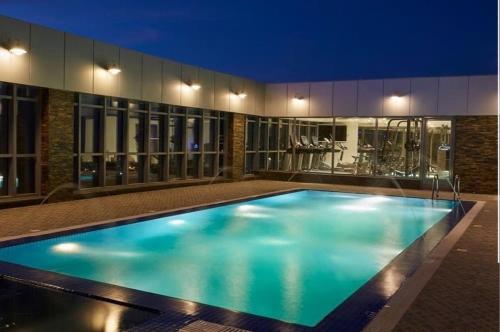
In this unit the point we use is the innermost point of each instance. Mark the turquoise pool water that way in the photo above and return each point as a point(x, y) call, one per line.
point(293, 257)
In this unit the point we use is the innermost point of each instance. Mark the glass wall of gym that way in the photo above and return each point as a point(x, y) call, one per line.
point(356, 146)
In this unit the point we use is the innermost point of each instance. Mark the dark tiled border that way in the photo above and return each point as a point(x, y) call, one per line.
point(352, 315)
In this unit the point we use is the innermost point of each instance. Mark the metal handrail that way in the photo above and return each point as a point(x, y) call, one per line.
point(435, 187)
point(456, 188)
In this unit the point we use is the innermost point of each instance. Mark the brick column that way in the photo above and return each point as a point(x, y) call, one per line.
point(236, 146)
point(57, 141)
point(476, 139)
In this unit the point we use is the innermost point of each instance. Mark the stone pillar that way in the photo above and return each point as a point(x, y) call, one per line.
point(57, 141)
point(476, 154)
point(236, 146)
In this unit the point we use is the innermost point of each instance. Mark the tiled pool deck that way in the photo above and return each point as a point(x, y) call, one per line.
point(461, 296)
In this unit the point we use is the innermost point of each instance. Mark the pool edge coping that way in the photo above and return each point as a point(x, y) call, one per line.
point(392, 312)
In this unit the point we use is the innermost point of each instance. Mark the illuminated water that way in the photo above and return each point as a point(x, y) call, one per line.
point(293, 257)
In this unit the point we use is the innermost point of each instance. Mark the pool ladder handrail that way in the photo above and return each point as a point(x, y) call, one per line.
point(435, 187)
point(456, 187)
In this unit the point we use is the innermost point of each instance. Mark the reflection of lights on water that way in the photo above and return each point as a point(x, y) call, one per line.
point(376, 199)
point(112, 322)
point(251, 211)
point(176, 222)
point(244, 207)
point(275, 241)
point(67, 247)
point(357, 208)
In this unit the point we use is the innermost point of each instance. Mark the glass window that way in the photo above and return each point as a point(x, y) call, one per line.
point(136, 168)
point(89, 171)
point(114, 169)
point(193, 139)
point(157, 168)
point(222, 132)
point(249, 163)
point(176, 134)
point(136, 131)
point(399, 145)
point(25, 182)
point(209, 134)
point(114, 133)
point(209, 165)
point(4, 176)
point(157, 132)
point(90, 124)
point(250, 136)
point(5, 111)
point(273, 136)
point(27, 91)
point(5, 89)
point(26, 129)
point(438, 152)
point(263, 134)
point(193, 165)
point(355, 146)
point(284, 134)
point(222, 166)
point(92, 100)
point(175, 166)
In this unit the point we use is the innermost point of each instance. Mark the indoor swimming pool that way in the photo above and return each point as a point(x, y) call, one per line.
point(293, 257)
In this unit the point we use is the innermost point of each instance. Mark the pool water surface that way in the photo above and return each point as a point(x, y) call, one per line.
point(294, 257)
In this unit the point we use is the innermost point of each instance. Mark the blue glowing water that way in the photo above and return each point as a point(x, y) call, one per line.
point(292, 257)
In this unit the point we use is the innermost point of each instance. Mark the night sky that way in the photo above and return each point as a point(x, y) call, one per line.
point(278, 41)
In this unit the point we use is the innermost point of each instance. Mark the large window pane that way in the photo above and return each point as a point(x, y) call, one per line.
point(25, 181)
point(222, 133)
point(193, 139)
point(355, 146)
point(4, 176)
point(90, 124)
point(26, 130)
point(157, 133)
point(157, 168)
point(5, 112)
point(115, 126)
point(136, 165)
point(136, 131)
point(114, 169)
point(89, 171)
point(438, 154)
point(193, 165)
point(175, 166)
point(399, 145)
point(263, 135)
point(176, 134)
point(209, 134)
point(273, 136)
point(209, 165)
point(250, 135)
point(249, 163)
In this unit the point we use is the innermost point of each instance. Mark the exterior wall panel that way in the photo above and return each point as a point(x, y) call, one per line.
point(47, 57)
point(483, 96)
point(396, 97)
point(236, 104)
point(298, 107)
point(345, 98)
point(151, 78)
point(13, 68)
point(250, 90)
point(276, 100)
point(207, 81)
point(79, 64)
point(260, 98)
point(131, 75)
point(189, 96)
point(106, 55)
point(424, 96)
point(321, 99)
point(453, 95)
point(171, 83)
point(370, 98)
point(221, 98)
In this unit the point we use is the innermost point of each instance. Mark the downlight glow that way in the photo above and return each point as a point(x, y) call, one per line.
point(18, 51)
point(67, 247)
point(194, 86)
point(114, 70)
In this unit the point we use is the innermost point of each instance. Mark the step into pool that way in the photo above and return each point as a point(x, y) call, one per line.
point(292, 257)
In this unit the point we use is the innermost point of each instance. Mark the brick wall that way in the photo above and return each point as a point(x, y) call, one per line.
point(236, 146)
point(476, 153)
point(57, 141)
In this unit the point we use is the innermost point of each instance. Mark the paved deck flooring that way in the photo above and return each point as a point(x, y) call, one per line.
point(461, 296)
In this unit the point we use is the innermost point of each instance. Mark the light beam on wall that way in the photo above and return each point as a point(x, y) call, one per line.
point(114, 70)
point(17, 50)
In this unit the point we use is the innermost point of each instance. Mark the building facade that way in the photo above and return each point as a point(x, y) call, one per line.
point(78, 116)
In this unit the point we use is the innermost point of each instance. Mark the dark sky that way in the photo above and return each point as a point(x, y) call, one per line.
point(278, 41)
